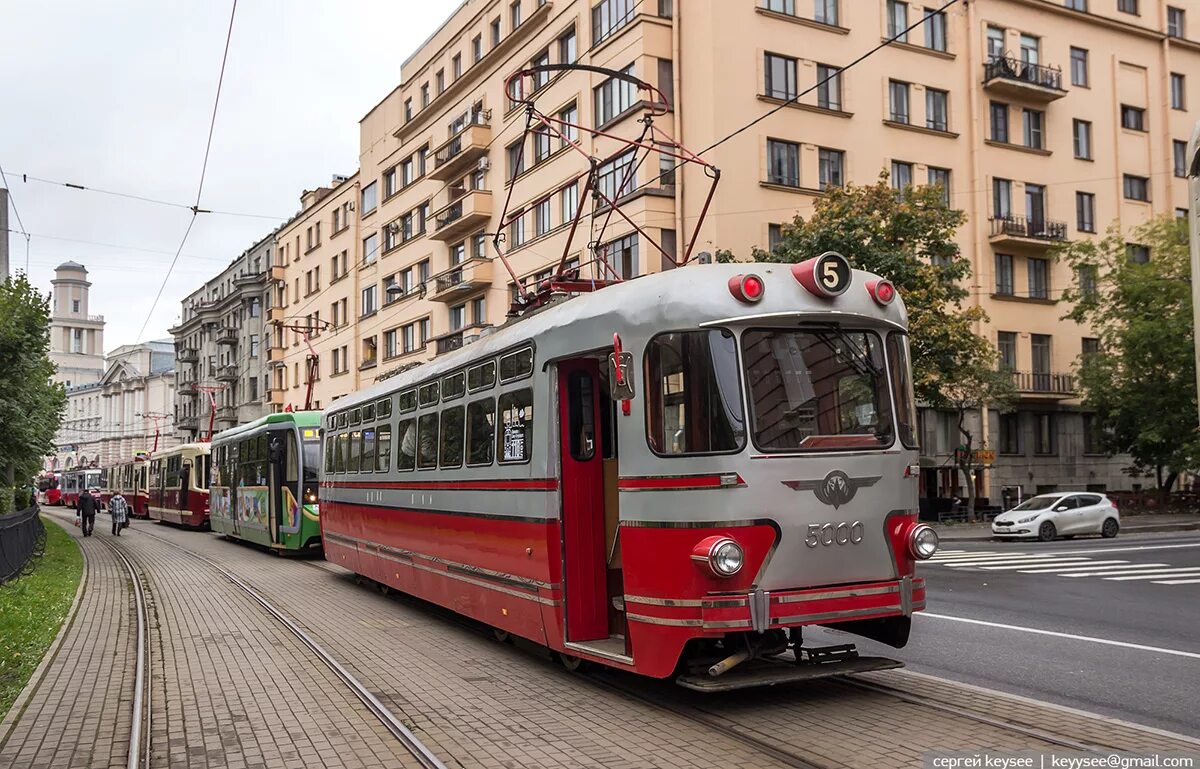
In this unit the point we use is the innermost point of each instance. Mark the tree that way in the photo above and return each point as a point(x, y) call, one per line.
point(31, 406)
point(1142, 382)
point(977, 384)
point(907, 236)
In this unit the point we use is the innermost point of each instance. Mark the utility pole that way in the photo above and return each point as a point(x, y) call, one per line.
point(1193, 173)
point(4, 231)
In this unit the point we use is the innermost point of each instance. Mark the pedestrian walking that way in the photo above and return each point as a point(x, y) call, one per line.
point(118, 508)
point(85, 508)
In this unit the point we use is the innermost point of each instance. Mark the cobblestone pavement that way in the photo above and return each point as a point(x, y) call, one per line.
point(484, 704)
point(230, 687)
point(81, 711)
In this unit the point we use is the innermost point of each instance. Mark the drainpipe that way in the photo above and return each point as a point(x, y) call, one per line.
point(677, 119)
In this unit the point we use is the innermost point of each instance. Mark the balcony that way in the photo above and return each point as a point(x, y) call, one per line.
point(1024, 231)
point(1013, 78)
point(227, 336)
point(187, 422)
point(187, 388)
point(228, 372)
point(227, 414)
point(1044, 383)
point(276, 354)
point(460, 155)
point(468, 210)
point(471, 275)
point(278, 272)
point(187, 355)
point(456, 339)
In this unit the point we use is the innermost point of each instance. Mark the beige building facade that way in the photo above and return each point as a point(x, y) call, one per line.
point(76, 335)
point(1045, 121)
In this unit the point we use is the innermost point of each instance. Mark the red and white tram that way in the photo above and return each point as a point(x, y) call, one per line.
point(743, 464)
point(49, 491)
point(131, 480)
point(76, 481)
point(178, 485)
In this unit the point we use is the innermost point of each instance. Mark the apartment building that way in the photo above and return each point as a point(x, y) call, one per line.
point(316, 277)
point(1045, 120)
point(221, 346)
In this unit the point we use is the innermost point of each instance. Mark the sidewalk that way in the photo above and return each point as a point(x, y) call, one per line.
point(1130, 524)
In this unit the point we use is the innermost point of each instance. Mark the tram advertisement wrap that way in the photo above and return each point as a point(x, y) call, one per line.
point(254, 505)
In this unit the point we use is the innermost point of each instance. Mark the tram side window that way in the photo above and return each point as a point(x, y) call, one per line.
point(902, 391)
point(368, 449)
point(292, 471)
point(452, 437)
point(693, 394)
point(516, 426)
point(329, 444)
point(355, 451)
point(427, 442)
point(340, 453)
point(407, 432)
point(481, 431)
point(383, 451)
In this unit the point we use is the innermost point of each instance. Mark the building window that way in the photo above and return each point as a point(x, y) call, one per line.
point(569, 201)
point(831, 163)
point(1077, 5)
point(1179, 153)
point(897, 20)
point(783, 163)
point(541, 79)
point(829, 87)
point(515, 154)
point(1082, 131)
point(935, 30)
point(613, 97)
point(937, 110)
point(622, 256)
point(995, 43)
point(408, 110)
point(424, 95)
point(390, 350)
point(780, 74)
point(541, 145)
point(1006, 343)
point(476, 49)
point(370, 248)
point(998, 116)
point(1175, 22)
point(1001, 198)
point(1079, 67)
point(458, 317)
point(1033, 125)
point(1043, 435)
point(370, 199)
point(902, 174)
point(898, 101)
point(617, 177)
point(495, 32)
point(370, 351)
point(567, 48)
point(514, 14)
point(1086, 275)
point(516, 230)
point(1136, 187)
point(781, 6)
point(609, 16)
point(1137, 253)
point(774, 237)
point(1085, 212)
point(478, 311)
point(1004, 274)
point(1010, 433)
point(1039, 278)
point(440, 81)
point(824, 12)
point(1127, 6)
point(456, 66)
point(570, 132)
point(940, 177)
point(368, 303)
point(1089, 346)
point(541, 217)
point(1133, 118)
point(1178, 99)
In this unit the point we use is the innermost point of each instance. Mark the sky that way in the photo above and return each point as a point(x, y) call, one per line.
point(119, 96)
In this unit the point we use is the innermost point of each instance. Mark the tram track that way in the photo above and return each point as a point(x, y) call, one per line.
point(139, 731)
point(390, 721)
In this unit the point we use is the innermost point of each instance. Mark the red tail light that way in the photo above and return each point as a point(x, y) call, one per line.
point(882, 291)
point(747, 288)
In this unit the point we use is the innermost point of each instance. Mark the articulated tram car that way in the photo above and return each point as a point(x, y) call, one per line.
point(264, 481)
point(672, 475)
point(75, 481)
point(131, 480)
point(178, 485)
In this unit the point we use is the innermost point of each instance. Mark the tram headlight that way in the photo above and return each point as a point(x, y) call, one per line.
point(727, 558)
point(922, 542)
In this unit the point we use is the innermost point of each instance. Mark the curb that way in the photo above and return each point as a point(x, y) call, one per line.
point(1143, 529)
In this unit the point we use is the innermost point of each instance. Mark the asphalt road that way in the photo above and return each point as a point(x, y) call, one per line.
point(1114, 640)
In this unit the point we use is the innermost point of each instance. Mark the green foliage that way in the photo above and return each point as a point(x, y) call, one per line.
point(33, 608)
point(1142, 385)
point(907, 236)
point(30, 406)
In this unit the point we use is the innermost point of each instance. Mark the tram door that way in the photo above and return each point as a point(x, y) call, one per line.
point(276, 455)
point(584, 570)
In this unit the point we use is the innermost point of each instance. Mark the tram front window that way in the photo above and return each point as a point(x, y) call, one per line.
point(694, 401)
point(817, 389)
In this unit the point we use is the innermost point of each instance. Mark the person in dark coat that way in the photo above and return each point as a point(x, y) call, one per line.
point(86, 507)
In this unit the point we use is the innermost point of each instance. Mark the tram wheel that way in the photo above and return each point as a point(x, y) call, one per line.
point(383, 589)
point(1047, 531)
point(572, 663)
point(501, 635)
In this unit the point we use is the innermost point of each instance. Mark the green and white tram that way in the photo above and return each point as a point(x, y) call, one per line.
point(264, 481)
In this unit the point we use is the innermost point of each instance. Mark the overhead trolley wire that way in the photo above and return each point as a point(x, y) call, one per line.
point(17, 213)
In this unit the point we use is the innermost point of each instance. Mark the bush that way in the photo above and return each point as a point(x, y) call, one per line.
point(14, 499)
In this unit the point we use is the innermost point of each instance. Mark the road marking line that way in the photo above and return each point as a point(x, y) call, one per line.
point(1140, 548)
point(960, 556)
point(1056, 634)
point(996, 558)
point(1192, 572)
point(1138, 569)
point(1091, 567)
point(1178, 582)
point(1031, 560)
point(1013, 567)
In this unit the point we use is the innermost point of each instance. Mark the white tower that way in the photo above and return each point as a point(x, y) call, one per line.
point(76, 338)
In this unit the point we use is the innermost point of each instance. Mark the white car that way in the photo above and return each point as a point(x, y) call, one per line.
point(1061, 514)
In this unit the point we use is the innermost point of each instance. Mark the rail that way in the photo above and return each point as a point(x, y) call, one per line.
point(1011, 68)
point(139, 746)
point(1037, 228)
point(1043, 382)
point(22, 541)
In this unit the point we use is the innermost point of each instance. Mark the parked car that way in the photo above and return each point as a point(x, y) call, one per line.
point(1061, 514)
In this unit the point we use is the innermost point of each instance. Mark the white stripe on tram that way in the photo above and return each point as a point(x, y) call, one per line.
point(1070, 636)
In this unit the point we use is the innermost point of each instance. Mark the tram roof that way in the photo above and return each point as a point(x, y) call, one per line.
point(686, 298)
point(298, 418)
